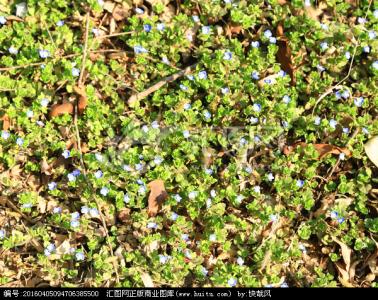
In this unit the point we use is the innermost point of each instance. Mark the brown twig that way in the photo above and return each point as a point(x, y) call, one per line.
point(136, 97)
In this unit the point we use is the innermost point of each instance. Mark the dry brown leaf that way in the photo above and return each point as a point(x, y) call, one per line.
point(346, 252)
point(284, 53)
point(315, 12)
point(6, 122)
point(371, 149)
point(60, 109)
point(281, 2)
point(322, 149)
point(83, 99)
point(233, 29)
point(121, 12)
point(157, 196)
point(147, 280)
point(45, 167)
point(124, 215)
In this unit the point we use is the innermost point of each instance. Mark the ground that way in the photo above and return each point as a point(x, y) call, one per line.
point(188, 143)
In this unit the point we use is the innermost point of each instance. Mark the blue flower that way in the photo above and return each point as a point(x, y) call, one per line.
point(147, 27)
point(139, 167)
point(187, 106)
point(320, 68)
point(79, 256)
point(300, 183)
point(225, 90)
point(20, 141)
point(139, 49)
point(272, 40)
point(163, 259)
point(227, 55)
point(254, 120)
point(257, 107)
point(257, 189)
point(202, 74)
point(324, 46)
point(366, 49)
point(60, 23)
point(2, 234)
point(44, 53)
point(302, 248)
point(139, 10)
point(307, 3)
point(268, 34)
point(76, 172)
point(57, 210)
point(127, 168)
point(209, 171)
point(375, 65)
point(142, 189)
point(365, 130)
point(232, 282)
point(359, 101)
point(195, 18)
point(213, 193)
point(104, 191)
point(52, 185)
point(193, 195)
point(51, 247)
point(324, 26)
point(282, 73)
point(239, 198)
point(332, 123)
point(3, 20)
point(185, 237)
point(74, 223)
point(204, 271)
point(155, 125)
point(93, 212)
point(152, 225)
point(186, 134)
point(45, 102)
point(375, 14)
point(342, 156)
point(361, 20)
point(98, 174)
point(84, 209)
point(255, 75)
point(5, 135)
point(96, 31)
point(317, 120)
point(242, 141)
point(345, 94)
point(273, 218)
point(209, 202)
point(338, 94)
point(284, 285)
point(66, 154)
point(347, 55)
point(212, 237)
point(126, 198)
point(71, 177)
point(334, 215)
point(12, 50)
point(255, 44)
point(29, 114)
point(99, 157)
point(177, 197)
point(285, 124)
point(248, 169)
point(207, 114)
point(205, 29)
point(160, 26)
point(75, 72)
point(240, 261)
point(270, 177)
point(174, 216)
point(346, 130)
point(286, 99)
point(75, 216)
point(27, 205)
point(165, 60)
point(372, 34)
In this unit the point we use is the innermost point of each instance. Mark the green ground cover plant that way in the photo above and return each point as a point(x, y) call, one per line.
point(188, 143)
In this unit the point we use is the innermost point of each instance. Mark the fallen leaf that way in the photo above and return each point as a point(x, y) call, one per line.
point(83, 99)
point(157, 196)
point(322, 149)
point(346, 252)
point(282, 2)
point(64, 248)
point(147, 280)
point(60, 109)
point(124, 215)
point(284, 53)
point(371, 149)
point(271, 77)
point(45, 167)
point(233, 29)
point(6, 122)
point(121, 12)
point(315, 12)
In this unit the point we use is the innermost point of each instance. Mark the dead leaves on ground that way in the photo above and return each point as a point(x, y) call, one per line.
point(322, 149)
point(371, 149)
point(6, 122)
point(157, 196)
point(284, 56)
point(68, 107)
